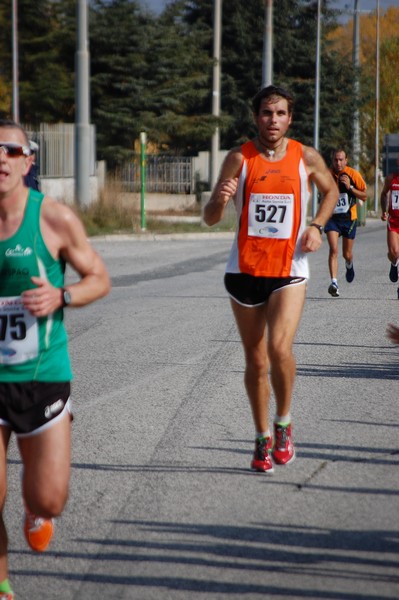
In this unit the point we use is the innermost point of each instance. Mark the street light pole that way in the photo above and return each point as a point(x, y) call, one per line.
point(377, 107)
point(356, 86)
point(267, 63)
point(15, 92)
point(317, 100)
point(143, 142)
point(214, 166)
point(82, 127)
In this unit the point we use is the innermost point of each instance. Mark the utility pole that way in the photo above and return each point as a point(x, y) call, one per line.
point(82, 119)
point(356, 86)
point(377, 106)
point(356, 142)
point(317, 99)
point(267, 63)
point(217, 24)
point(143, 142)
point(15, 91)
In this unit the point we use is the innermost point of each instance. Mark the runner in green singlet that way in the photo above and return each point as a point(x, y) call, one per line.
point(38, 237)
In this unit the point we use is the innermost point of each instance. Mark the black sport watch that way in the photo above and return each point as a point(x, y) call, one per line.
point(319, 227)
point(66, 298)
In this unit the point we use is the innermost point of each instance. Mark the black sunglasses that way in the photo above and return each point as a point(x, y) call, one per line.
point(14, 150)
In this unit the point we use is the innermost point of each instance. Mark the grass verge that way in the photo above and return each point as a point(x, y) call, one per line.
point(110, 215)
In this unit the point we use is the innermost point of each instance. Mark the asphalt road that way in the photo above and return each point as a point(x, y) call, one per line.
point(162, 503)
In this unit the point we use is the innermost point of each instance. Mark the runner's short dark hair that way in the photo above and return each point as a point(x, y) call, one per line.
point(339, 149)
point(272, 91)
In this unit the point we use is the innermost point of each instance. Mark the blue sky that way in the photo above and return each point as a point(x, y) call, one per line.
point(158, 5)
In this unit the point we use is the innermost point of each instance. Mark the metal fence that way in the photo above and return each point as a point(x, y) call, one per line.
point(57, 149)
point(163, 174)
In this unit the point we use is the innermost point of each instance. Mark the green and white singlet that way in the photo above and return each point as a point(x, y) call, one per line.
point(31, 349)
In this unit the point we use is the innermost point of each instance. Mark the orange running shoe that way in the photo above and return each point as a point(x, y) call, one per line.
point(38, 531)
point(6, 596)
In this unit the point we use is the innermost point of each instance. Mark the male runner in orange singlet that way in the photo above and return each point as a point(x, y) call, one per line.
point(269, 179)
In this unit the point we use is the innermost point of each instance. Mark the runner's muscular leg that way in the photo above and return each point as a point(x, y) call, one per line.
point(251, 324)
point(5, 433)
point(46, 458)
point(347, 249)
point(393, 245)
point(332, 237)
point(284, 314)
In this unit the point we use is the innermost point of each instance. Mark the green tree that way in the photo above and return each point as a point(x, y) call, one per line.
point(119, 44)
point(5, 60)
point(46, 37)
point(177, 114)
point(154, 77)
point(295, 67)
point(294, 35)
point(341, 38)
point(155, 73)
point(389, 85)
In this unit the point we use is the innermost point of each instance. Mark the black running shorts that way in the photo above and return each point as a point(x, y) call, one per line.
point(254, 291)
point(28, 407)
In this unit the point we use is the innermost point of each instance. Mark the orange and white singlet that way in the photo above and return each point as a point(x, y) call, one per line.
point(271, 203)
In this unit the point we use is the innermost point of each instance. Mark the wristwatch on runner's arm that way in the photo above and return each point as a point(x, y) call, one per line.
point(66, 298)
point(319, 227)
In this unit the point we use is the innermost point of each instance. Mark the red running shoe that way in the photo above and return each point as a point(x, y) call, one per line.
point(38, 531)
point(6, 596)
point(283, 451)
point(261, 460)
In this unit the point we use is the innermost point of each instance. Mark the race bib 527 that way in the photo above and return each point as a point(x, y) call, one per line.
point(271, 215)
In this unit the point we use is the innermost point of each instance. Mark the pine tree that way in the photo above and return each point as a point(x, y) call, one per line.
point(155, 73)
point(178, 109)
point(294, 35)
point(119, 44)
point(46, 87)
point(5, 61)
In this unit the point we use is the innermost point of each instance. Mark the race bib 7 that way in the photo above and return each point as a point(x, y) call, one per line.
point(395, 199)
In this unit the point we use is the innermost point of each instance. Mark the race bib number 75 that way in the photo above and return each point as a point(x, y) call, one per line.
point(19, 337)
point(271, 215)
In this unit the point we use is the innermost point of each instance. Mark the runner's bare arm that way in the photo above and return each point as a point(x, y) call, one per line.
point(65, 237)
point(320, 175)
point(224, 189)
point(385, 196)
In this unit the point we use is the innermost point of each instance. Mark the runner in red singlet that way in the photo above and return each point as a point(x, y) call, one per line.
point(390, 213)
